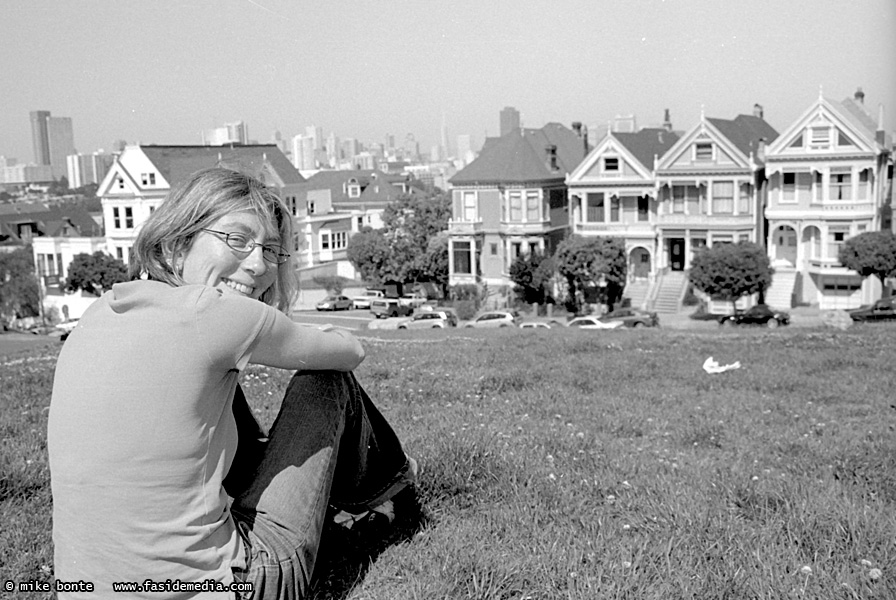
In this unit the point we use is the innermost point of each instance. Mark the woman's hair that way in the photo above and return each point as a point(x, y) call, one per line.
point(208, 195)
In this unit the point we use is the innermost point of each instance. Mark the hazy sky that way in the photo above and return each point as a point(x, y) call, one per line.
point(160, 72)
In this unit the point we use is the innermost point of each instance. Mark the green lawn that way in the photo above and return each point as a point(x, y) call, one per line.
point(577, 464)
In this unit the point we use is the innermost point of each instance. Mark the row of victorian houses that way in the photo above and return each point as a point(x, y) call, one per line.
point(667, 193)
point(800, 193)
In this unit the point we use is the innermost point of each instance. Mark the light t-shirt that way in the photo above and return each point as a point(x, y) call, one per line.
point(141, 434)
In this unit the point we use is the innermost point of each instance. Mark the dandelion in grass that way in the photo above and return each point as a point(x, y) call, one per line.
point(865, 562)
point(875, 574)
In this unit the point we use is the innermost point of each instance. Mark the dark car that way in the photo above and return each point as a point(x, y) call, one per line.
point(632, 317)
point(334, 303)
point(882, 310)
point(761, 314)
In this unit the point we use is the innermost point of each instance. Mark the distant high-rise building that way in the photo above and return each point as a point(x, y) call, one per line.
point(83, 169)
point(411, 147)
point(39, 136)
point(53, 141)
point(317, 136)
point(510, 120)
point(465, 148)
point(231, 133)
point(303, 152)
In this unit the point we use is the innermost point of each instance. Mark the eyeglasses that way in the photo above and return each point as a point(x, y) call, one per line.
point(241, 242)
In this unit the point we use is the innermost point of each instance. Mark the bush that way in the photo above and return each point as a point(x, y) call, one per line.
point(465, 309)
point(332, 283)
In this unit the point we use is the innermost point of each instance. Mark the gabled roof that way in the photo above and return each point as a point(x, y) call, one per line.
point(521, 156)
point(647, 144)
point(745, 132)
point(376, 186)
point(49, 219)
point(177, 163)
point(859, 117)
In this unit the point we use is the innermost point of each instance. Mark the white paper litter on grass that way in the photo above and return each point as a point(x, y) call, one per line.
point(710, 365)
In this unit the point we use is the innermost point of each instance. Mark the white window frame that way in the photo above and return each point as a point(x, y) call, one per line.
point(718, 208)
point(819, 137)
point(468, 206)
point(701, 156)
point(616, 170)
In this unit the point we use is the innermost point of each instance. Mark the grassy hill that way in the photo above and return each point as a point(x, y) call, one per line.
point(585, 464)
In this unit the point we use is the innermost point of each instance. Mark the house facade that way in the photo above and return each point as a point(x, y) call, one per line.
point(613, 193)
point(829, 178)
point(711, 188)
point(511, 200)
point(332, 205)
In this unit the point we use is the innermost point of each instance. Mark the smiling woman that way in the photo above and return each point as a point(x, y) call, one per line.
point(157, 464)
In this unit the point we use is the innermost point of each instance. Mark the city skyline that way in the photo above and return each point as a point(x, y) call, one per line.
point(376, 69)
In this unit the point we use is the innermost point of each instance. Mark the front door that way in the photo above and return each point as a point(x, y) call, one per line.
point(676, 254)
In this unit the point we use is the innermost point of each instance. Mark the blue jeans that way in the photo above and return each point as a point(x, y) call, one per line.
point(328, 446)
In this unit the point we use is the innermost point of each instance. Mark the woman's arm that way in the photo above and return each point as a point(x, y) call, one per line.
point(289, 345)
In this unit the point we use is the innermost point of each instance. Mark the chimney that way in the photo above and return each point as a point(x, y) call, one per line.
point(582, 134)
point(860, 96)
point(757, 110)
point(880, 135)
point(667, 121)
point(577, 127)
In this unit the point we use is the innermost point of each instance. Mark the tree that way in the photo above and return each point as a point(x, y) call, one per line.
point(95, 273)
point(403, 249)
point(19, 288)
point(370, 252)
point(596, 264)
point(332, 283)
point(731, 271)
point(871, 253)
point(529, 279)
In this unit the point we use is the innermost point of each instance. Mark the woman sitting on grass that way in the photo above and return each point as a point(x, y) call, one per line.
point(142, 430)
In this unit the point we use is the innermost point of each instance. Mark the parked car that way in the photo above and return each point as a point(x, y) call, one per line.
point(334, 303)
point(760, 314)
point(496, 318)
point(882, 310)
point(592, 322)
point(413, 300)
point(430, 319)
point(632, 317)
point(535, 325)
point(364, 300)
point(389, 307)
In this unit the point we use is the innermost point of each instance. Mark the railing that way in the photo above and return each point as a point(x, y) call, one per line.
point(709, 220)
point(644, 227)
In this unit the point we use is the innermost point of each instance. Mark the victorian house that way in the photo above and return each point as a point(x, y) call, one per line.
point(710, 190)
point(613, 193)
point(829, 178)
point(511, 200)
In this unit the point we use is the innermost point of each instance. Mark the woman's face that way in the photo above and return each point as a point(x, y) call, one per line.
point(210, 261)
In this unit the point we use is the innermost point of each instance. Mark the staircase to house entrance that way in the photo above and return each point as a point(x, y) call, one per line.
point(636, 290)
point(671, 287)
point(780, 294)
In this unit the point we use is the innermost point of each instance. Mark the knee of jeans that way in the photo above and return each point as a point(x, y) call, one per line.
point(336, 385)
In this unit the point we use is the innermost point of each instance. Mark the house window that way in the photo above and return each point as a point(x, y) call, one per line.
point(469, 207)
point(745, 199)
point(119, 181)
point(152, 209)
point(516, 249)
point(841, 186)
point(788, 187)
point(360, 222)
point(339, 240)
point(595, 209)
point(611, 165)
point(128, 217)
point(643, 208)
point(819, 138)
point(614, 208)
point(123, 217)
point(703, 151)
point(836, 237)
point(462, 255)
point(723, 197)
point(515, 201)
point(798, 142)
point(148, 178)
point(493, 248)
point(533, 206)
point(819, 186)
point(311, 207)
point(533, 248)
point(119, 252)
point(864, 177)
point(679, 193)
point(324, 240)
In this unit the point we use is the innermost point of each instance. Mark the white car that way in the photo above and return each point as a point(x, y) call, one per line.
point(364, 300)
point(591, 322)
point(534, 325)
point(496, 318)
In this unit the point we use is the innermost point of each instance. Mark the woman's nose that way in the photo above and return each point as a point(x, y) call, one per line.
point(255, 262)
